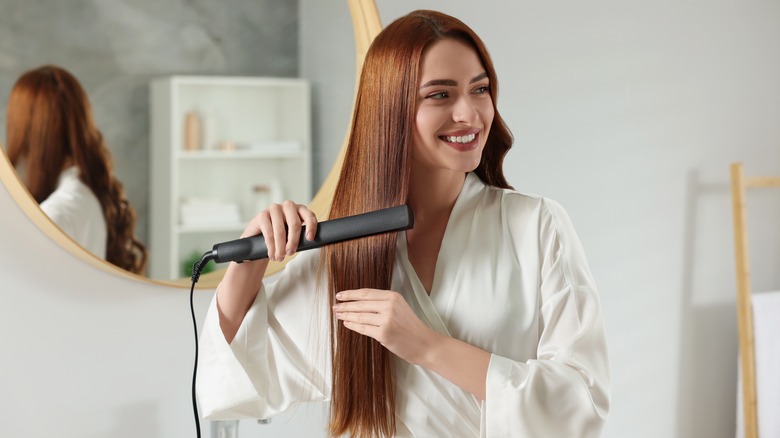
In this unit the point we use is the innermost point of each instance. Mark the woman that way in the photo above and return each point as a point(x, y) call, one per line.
point(61, 157)
point(483, 320)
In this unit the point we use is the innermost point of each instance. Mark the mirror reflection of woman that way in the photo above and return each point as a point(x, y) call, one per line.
point(483, 320)
point(61, 158)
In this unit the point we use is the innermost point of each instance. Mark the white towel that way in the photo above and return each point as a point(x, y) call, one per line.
point(766, 334)
point(209, 212)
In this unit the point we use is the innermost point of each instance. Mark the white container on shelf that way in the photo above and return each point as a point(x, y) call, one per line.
point(276, 191)
point(262, 195)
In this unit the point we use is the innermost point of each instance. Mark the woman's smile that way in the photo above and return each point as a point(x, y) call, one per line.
point(465, 141)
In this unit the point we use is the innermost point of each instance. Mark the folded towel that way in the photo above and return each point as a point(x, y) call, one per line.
point(766, 335)
point(209, 212)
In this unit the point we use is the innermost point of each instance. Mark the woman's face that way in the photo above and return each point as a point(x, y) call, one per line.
point(454, 108)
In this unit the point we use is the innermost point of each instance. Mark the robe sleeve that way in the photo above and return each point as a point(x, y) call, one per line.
point(271, 364)
point(564, 391)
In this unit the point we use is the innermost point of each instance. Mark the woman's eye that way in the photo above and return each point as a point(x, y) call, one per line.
point(438, 95)
point(482, 90)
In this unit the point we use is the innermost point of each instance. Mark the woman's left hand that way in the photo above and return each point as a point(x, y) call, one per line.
point(385, 316)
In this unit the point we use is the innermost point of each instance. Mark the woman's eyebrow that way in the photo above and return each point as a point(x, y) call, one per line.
point(478, 77)
point(452, 82)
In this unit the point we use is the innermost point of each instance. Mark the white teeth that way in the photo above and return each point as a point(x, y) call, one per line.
point(460, 138)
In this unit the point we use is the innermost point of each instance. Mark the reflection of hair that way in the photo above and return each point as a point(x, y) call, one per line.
point(49, 122)
point(376, 175)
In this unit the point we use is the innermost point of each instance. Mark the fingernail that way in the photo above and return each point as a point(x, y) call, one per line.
point(339, 295)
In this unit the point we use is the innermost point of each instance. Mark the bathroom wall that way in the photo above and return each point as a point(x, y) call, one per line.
point(115, 47)
point(89, 354)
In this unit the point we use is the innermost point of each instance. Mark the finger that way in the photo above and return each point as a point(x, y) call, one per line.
point(253, 227)
point(358, 306)
point(279, 233)
point(310, 220)
point(362, 318)
point(363, 294)
point(363, 329)
point(261, 224)
point(293, 226)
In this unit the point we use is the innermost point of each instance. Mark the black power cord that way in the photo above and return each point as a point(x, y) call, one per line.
point(197, 268)
point(386, 220)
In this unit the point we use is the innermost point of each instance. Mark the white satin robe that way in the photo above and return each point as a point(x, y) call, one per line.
point(77, 211)
point(511, 278)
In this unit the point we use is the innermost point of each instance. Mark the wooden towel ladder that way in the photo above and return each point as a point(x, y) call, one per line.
point(739, 184)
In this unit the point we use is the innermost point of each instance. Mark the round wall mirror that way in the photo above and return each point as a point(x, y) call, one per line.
point(366, 23)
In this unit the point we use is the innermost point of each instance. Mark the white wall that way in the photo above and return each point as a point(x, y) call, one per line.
point(85, 353)
point(88, 354)
point(629, 113)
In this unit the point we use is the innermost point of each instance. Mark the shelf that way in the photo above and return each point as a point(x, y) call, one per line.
point(194, 229)
point(246, 132)
point(241, 154)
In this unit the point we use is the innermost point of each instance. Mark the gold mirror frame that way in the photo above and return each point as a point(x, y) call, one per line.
point(366, 23)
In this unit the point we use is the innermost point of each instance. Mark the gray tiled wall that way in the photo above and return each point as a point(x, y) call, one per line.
point(115, 47)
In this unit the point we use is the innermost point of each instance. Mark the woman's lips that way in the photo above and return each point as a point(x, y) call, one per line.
point(462, 141)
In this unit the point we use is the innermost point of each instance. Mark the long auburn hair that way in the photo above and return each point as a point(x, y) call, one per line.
point(376, 175)
point(49, 123)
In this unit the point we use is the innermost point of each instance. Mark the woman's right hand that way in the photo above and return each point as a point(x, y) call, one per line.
point(281, 224)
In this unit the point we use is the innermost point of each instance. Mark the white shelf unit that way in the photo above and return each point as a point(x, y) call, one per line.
point(267, 120)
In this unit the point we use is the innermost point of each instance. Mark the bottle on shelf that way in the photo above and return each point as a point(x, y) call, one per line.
point(192, 131)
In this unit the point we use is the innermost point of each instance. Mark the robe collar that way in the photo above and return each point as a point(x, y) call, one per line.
point(445, 278)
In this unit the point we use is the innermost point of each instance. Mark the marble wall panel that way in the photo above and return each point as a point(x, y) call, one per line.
point(115, 47)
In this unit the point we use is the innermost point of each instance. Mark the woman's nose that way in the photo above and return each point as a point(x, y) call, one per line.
point(464, 110)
